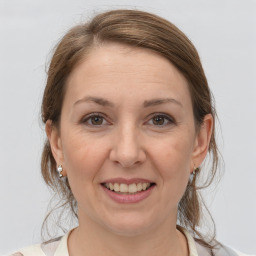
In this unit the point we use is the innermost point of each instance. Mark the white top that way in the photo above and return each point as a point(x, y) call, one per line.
point(59, 247)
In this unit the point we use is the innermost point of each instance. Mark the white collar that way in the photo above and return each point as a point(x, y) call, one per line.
point(62, 249)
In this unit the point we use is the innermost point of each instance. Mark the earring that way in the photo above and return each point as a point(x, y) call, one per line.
point(193, 174)
point(196, 169)
point(59, 170)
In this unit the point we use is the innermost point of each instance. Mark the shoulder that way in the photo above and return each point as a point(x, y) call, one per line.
point(29, 251)
point(45, 249)
point(197, 249)
point(56, 247)
point(220, 250)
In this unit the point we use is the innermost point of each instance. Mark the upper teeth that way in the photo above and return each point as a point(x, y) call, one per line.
point(125, 188)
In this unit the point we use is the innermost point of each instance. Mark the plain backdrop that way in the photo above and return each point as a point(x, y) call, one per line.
point(224, 32)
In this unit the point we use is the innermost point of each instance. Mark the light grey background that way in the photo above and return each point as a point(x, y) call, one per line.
point(224, 32)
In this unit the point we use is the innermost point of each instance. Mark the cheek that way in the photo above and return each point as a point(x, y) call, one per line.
point(83, 156)
point(175, 156)
point(173, 160)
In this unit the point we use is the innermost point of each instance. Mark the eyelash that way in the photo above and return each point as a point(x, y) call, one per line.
point(100, 115)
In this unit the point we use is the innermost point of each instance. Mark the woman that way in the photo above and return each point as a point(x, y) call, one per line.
point(129, 120)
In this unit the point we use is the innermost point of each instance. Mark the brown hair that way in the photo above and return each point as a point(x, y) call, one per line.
point(139, 29)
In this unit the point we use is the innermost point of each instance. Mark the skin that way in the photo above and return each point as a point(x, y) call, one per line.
point(128, 142)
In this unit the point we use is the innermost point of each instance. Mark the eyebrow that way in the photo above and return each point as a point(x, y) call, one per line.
point(100, 101)
point(147, 103)
point(155, 102)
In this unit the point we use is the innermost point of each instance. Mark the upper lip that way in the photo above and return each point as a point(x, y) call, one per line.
point(127, 181)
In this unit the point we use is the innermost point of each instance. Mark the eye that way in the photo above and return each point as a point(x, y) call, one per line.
point(94, 119)
point(161, 120)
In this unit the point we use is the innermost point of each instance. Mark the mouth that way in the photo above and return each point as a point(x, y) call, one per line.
point(128, 189)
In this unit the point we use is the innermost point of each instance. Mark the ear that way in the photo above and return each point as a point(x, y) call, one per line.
point(53, 135)
point(202, 141)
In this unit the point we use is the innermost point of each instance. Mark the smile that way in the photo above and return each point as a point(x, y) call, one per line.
point(128, 191)
point(123, 188)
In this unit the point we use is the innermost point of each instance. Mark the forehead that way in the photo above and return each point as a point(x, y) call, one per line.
point(116, 69)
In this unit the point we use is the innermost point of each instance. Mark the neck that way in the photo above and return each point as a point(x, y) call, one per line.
point(91, 239)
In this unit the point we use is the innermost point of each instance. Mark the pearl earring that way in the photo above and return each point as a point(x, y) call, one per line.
point(59, 170)
point(196, 169)
point(192, 175)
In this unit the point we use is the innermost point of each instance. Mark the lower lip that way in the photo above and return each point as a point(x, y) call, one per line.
point(128, 199)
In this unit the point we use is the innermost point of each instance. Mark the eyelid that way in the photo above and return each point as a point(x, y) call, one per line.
point(99, 114)
point(94, 114)
point(165, 116)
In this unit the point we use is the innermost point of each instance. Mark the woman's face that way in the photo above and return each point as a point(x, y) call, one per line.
point(127, 124)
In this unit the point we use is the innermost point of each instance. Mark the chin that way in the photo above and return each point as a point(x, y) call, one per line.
point(129, 226)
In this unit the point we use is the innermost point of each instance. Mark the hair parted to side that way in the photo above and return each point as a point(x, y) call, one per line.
point(138, 29)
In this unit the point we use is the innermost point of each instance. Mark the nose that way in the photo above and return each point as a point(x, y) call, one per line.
point(127, 149)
